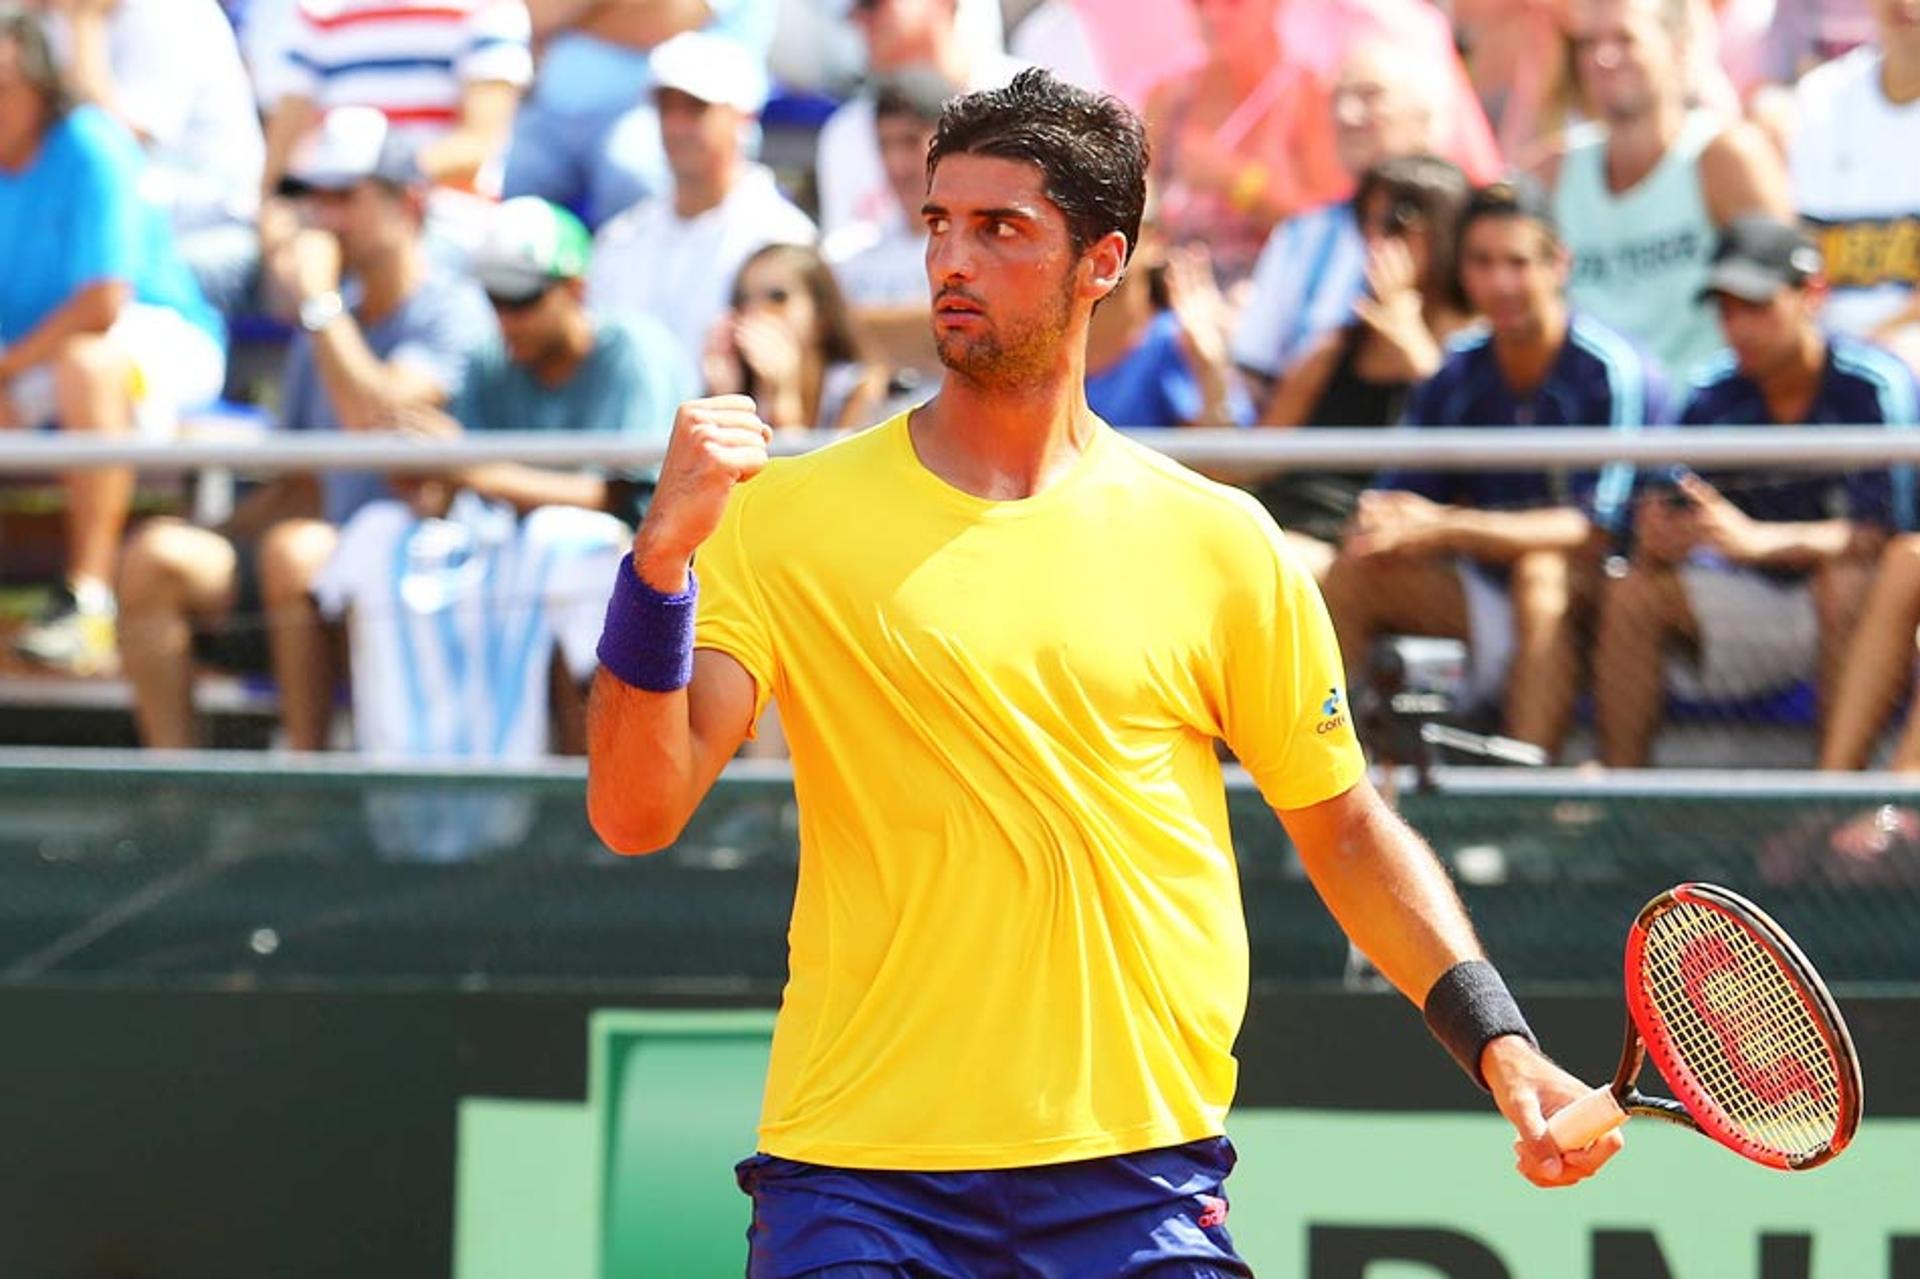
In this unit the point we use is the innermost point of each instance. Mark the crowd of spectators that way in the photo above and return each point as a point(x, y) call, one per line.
point(482, 215)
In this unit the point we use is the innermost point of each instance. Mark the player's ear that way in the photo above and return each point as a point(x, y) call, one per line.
point(1107, 263)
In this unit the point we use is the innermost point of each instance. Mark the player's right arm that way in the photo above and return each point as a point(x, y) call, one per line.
point(652, 756)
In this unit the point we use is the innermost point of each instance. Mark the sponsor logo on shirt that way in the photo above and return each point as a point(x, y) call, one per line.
point(1332, 716)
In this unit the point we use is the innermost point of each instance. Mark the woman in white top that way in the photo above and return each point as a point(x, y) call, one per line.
point(787, 341)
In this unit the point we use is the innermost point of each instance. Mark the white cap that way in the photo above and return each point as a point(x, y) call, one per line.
point(713, 69)
point(350, 145)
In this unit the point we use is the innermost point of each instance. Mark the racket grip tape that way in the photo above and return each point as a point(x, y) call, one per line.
point(1579, 1124)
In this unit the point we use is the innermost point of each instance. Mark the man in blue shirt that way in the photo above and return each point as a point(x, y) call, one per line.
point(1745, 582)
point(1501, 559)
point(102, 328)
point(383, 332)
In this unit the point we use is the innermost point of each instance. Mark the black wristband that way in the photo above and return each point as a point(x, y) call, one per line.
point(1469, 1008)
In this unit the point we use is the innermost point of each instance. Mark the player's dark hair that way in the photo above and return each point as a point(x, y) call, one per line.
point(1091, 148)
point(38, 65)
point(1430, 192)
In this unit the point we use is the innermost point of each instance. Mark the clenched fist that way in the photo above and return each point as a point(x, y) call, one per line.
point(717, 442)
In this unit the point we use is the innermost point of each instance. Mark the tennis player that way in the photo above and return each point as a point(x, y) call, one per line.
point(1004, 639)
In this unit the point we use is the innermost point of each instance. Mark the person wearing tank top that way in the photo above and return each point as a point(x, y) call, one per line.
point(1641, 193)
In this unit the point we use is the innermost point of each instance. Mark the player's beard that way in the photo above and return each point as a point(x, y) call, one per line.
point(1013, 354)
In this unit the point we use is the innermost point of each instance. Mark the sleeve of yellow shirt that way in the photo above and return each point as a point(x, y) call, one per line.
point(1283, 698)
point(732, 616)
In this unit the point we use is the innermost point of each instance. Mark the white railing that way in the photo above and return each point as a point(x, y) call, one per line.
point(1770, 783)
point(1499, 449)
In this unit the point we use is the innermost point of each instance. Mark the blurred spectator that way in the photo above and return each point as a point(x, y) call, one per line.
point(899, 35)
point(471, 633)
point(1501, 559)
point(1744, 582)
point(1386, 104)
point(1228, 138)
point(102, 328)
point(1054, 35)
point(1806, 33)
point(882, 267)
point(170, 71)
point(1363, 373)
point(1854, 187)
point(1516, 56)
point(588, 136)
point(1149, 366)
point(787, 342)
point(556, 367)
point(1641, 196)
point(817, 50)
point(1799, 36)
point(399, 344)
point(1248, 137)
point(1737, 31)
point(1878, 673)
point(265, 29)
point(447, 74)
point(674, 256)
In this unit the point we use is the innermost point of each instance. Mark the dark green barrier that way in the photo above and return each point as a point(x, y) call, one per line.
point(238, 871)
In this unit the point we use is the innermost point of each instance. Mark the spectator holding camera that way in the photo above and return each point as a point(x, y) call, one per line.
point(1501, 559)
point(1742, 583)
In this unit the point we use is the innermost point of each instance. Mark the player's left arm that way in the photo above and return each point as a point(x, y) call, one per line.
point(1389, 893)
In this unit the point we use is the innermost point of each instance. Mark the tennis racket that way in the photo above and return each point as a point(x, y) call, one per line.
point(1740, 1025)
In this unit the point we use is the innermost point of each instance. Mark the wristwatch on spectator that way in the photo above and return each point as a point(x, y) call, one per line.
point(320, 310)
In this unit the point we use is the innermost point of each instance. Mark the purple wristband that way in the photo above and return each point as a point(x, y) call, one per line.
point(647, 641)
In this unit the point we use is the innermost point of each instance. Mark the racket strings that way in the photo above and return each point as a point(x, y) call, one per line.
point(1735, 1017)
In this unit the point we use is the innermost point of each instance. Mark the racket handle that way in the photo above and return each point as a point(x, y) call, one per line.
point(1581, 1123)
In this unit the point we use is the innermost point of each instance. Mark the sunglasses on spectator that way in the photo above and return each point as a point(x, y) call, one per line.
point(1399, 218)
point(773, 297)
point(512, 302)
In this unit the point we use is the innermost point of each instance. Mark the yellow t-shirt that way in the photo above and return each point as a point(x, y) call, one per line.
point(1017, 937)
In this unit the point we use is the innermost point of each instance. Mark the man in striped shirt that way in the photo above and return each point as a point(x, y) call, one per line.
point(447, 74)
point(1743, 583)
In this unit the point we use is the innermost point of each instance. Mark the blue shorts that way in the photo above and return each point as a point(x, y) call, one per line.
point(1154, 1214)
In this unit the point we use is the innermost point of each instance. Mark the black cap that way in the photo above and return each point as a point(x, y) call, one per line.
point(1759, 255)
